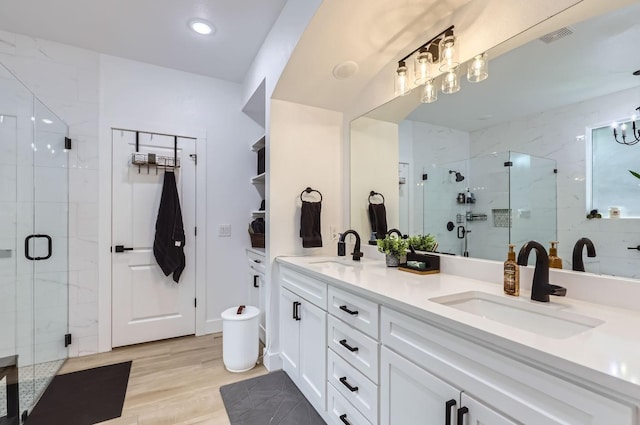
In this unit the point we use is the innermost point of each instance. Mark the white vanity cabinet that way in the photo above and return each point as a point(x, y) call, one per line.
point(424, 366)
point(303, 334)
point(353, 358)
point(410, 395)
point(257, 286)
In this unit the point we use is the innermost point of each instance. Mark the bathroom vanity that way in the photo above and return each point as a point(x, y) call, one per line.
point(369, 344)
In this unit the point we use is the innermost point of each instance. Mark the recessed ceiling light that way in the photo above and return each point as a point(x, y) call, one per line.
point(47, 121)
point(345, 70)
point(201, 26)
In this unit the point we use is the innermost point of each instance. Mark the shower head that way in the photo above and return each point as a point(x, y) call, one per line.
point(459, 177)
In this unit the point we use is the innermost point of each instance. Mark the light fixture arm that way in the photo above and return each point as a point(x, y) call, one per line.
point(634, 132)
point(445, 33)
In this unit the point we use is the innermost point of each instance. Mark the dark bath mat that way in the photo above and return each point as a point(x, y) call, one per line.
point(271, 399)
point(83, 398)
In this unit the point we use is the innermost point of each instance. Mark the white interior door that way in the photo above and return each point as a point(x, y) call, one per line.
point(146, 304)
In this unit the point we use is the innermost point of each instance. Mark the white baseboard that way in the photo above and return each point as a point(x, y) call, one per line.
point(272, 361)
point(213, 326)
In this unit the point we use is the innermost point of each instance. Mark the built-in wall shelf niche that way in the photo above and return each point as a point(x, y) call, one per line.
point(259, 144)
point(259, 179)
point(255, 108)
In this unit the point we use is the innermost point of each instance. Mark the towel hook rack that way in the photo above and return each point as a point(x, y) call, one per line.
point(309, 190)
point(372, 194)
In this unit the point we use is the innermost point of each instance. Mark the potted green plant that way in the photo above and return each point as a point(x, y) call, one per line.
point(423, 242)
point(394, 248)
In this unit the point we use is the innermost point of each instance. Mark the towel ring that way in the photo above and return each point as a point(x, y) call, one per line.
point(372, 194)
point(309, 190)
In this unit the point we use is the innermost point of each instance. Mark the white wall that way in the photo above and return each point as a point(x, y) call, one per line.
point(141, 96)
point(374, 152)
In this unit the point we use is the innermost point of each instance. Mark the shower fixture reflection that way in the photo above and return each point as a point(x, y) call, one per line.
point(459, 177)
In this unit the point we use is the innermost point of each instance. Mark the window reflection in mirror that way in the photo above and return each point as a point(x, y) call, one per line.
point(615, 192)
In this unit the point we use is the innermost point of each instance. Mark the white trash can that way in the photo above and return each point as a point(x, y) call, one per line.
point(240, 343)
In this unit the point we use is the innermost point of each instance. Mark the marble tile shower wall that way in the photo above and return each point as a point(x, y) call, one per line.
point(66, 79)
point(433, 146)
point(556, 134)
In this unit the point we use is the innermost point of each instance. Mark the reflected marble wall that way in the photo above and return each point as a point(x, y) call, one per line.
point(559, 134)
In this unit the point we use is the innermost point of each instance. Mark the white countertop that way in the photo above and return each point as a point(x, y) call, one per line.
point(608, 355)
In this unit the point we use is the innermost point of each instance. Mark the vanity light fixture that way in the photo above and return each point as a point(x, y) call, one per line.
point(402, 83)
point(429, 92)
point(201, 26)
point(440, 54)
point(635, 133)
point(478, 68)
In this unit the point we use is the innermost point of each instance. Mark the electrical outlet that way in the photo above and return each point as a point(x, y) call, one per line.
point(334, 233)
point(224, 230)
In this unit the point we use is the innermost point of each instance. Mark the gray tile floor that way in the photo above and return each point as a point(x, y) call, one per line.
point(271, 399)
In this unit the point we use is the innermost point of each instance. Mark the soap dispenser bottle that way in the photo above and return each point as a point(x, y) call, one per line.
point(511, 273)
point(554, 261)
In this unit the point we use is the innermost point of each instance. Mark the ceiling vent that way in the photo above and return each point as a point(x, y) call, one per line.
point(557, 35)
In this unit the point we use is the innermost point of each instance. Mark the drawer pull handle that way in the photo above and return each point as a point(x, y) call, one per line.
point(343, 342)
point(461, 412)
point(448, 405)
point(296, 312)
point(257, 261)
point(344, 420)
point(351, 312)
point(346, 384)
point(255, 281)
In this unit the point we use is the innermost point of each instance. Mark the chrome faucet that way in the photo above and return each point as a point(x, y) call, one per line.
point(578, 264)
point(357, 254)
point(541, 288)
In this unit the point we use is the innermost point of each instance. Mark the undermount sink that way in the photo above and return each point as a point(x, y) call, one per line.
point(523, 314)
point(343, 263)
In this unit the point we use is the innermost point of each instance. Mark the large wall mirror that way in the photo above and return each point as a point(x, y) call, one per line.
point(524, 155)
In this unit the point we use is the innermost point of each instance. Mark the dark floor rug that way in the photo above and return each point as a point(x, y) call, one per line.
point(83, 398)
point(271, 399)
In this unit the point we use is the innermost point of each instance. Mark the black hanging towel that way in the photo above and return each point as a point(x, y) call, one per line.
point(310, 221)
point(168, 246)
point(378, 216)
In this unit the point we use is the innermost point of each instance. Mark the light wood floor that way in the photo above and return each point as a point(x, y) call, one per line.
point(172, 382)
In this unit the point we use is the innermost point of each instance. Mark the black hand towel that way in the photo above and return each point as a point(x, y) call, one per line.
point(378, 219)
point(168, 246)
point(310, 224)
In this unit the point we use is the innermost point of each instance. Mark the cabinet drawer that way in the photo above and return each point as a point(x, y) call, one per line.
point(341, 412)
point(355, 347)
point(353, 385)
point(356, 311)
point(256, 262)
point(306, 287)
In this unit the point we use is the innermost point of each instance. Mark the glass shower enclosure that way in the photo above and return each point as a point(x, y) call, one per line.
point(476, 207)
point(34, 276)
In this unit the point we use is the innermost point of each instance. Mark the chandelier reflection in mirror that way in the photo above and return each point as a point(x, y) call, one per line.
point(635, 133)
point(438, 55)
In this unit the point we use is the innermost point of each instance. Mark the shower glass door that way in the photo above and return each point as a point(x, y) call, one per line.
point(49, 246)
point(33, 244)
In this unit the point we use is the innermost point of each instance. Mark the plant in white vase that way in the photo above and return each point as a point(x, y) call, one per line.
point(394, 248)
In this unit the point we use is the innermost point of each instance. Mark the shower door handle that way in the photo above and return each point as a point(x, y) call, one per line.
point(49, 247)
